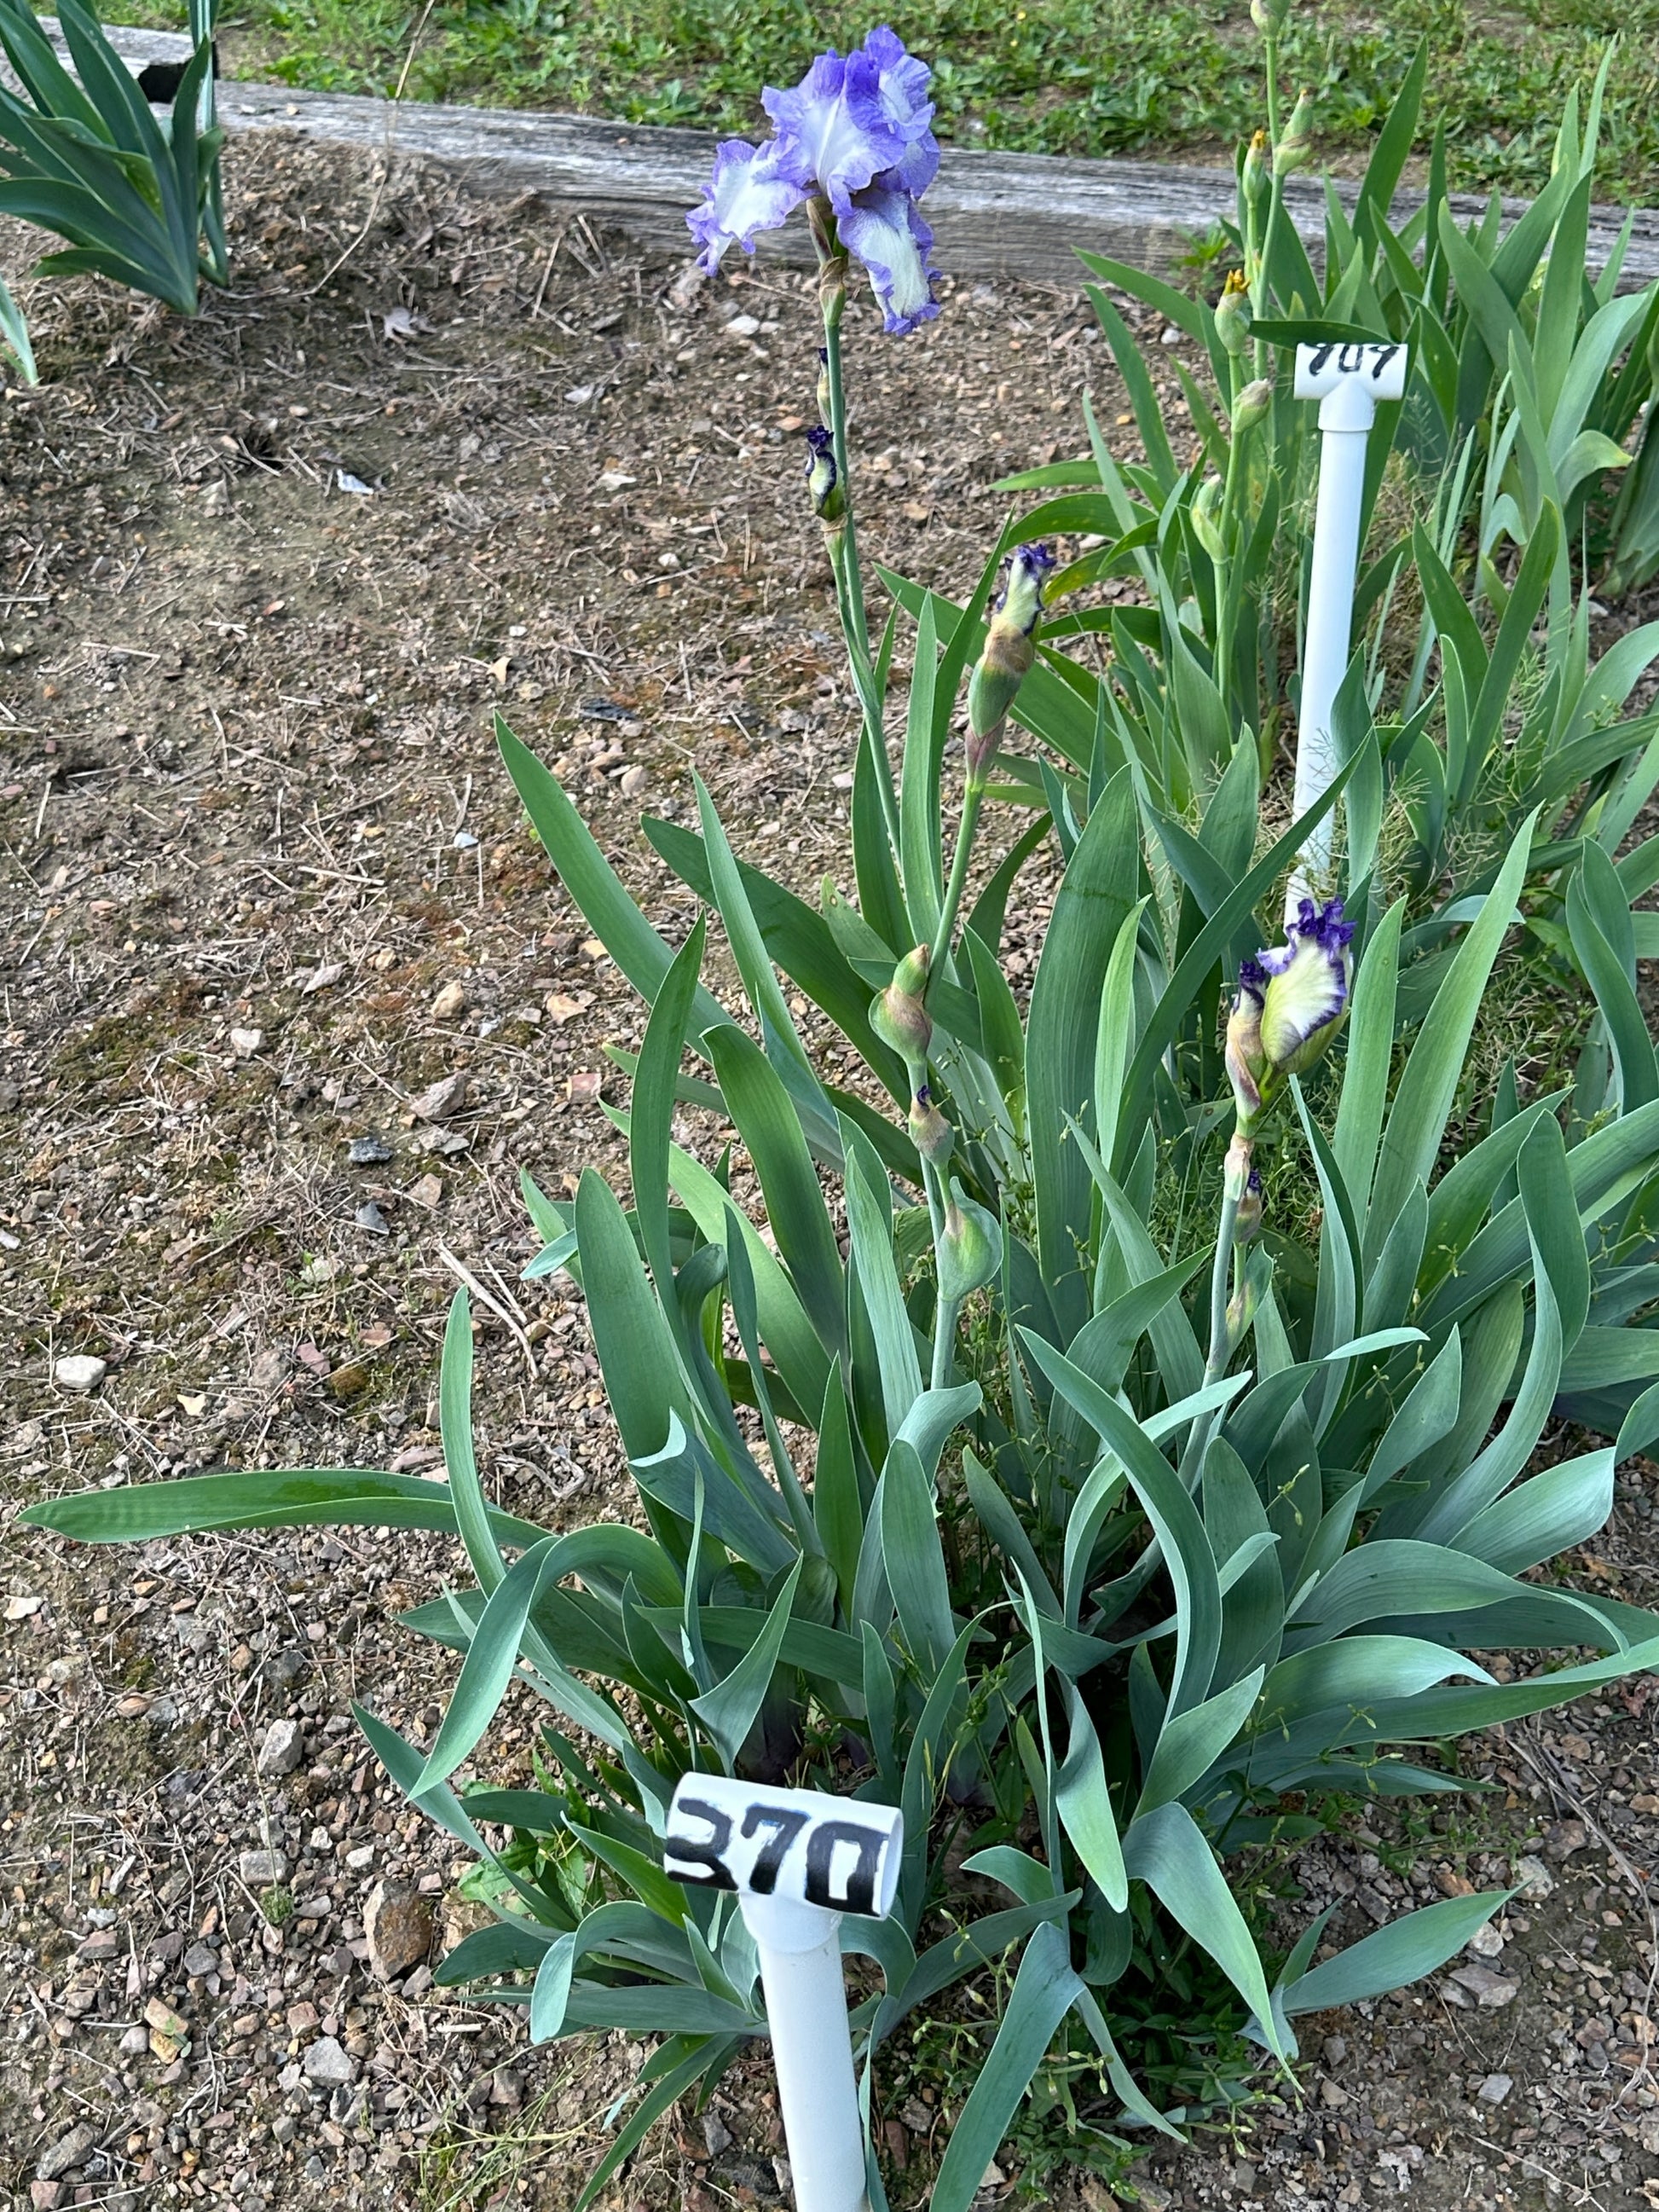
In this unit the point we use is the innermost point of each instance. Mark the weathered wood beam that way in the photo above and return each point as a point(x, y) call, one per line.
point(995, 215)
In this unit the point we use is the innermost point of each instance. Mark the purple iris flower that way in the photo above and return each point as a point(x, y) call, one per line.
point(855, 133)
point(1306, 991)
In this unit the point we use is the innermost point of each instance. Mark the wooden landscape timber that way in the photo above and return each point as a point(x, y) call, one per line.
point(995, 215)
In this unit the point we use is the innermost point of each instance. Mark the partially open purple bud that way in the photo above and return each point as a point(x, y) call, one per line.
point(930, 1133)
point(824, 483)
point(1247, 1062)
point(1010, 649)
point(897, 1014)
point(1247, 1221)
point(1306, 996)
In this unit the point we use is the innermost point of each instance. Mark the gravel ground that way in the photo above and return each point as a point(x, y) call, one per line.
point(289, 998)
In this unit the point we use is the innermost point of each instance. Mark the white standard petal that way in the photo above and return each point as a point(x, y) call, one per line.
point(883, 228)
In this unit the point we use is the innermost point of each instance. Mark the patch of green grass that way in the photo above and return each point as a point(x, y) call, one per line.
point(1052, 76)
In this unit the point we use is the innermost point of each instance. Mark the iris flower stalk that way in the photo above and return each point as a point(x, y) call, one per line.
point(852, 143)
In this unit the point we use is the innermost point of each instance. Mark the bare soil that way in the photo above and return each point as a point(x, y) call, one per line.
point(265, 578)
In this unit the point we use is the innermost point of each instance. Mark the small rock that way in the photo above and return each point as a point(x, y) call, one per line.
point(281, 1750)
point(369, 1152)
point(200, 1960)
point(993, 2177)
point(426, 1192)
point(134, 2040)
point(507, 2090)
point(262, 1870)
point(1169, 336)
point(634, 779)
point(743, 326)
point(450, 1002)
point(1565, 1837)
point(1336, 2050)
point(283, 2129)
point(327, 2063)
point(1485, 1942)
point(369, 1217)
point(68, 2151)
point(246, 1043)
point(1495, 2089)
point(715, 2134)
point(79, 1371)
point(360, 1859)
point(1534, 1879)
point(1485, 1987)
point(20, 1608)
point(440, 1099)
point(46, 2195)
point(320, 978)
point(397, 1922)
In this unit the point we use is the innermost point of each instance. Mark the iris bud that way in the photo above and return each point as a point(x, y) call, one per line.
point(1305, 1001)
point(1207, 518)
point(1232, 314)
point(1270, 16)
point(970, 1249)
point(1295, 149)
point(1010, 649)
point(1246, 1222)
point(823, 385)
point(1252, 404)
point(1247, 1060)
point(930, 1133)
point(822, 479)
point(898, 1015)
point(1255, 166)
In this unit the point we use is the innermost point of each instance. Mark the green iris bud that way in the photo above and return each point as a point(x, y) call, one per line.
point(898, 1015)
point(1270, 16)
point(823, 385)
point(1255, 166)
point(970, 1249)
point(930, 1133)
point(1232, 314)
point(1252, 404)
point(1295, 149)
point(1207, 518)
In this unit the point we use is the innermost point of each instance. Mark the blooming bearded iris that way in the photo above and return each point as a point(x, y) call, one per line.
point(854, 134)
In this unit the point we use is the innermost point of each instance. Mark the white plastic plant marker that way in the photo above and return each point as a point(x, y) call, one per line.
point(797, 1860)
point(1349, 381)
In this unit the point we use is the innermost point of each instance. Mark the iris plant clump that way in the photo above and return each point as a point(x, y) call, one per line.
point(954, 1491)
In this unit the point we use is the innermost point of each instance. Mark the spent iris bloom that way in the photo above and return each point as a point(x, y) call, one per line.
point(1306, 996)
point(854, 135)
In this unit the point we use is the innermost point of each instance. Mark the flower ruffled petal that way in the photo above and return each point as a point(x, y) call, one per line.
point(754, 188)
point(884, 229)
point(901, 82)
point(835, 127)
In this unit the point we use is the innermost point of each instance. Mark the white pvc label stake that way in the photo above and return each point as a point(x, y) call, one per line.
point(796, 1860)
point(1348, 381)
